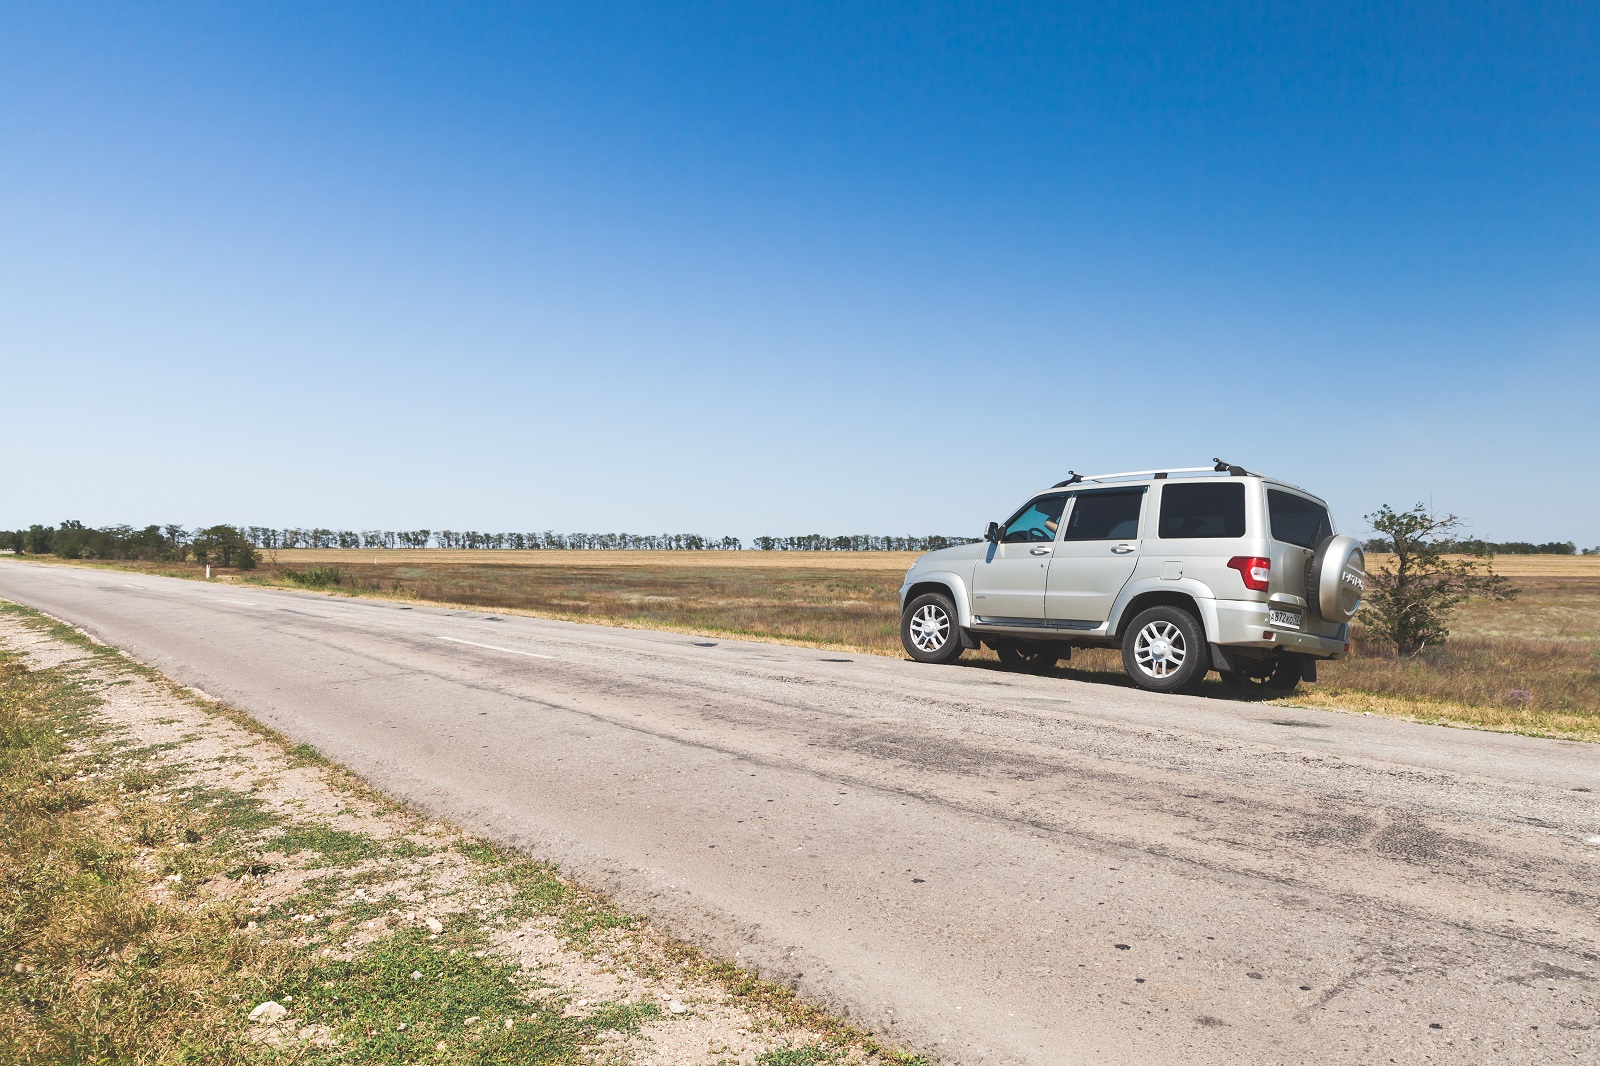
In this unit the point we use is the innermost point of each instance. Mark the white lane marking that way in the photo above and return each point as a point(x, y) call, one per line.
point(496, 647)
point(240, 603)
point(139, 587)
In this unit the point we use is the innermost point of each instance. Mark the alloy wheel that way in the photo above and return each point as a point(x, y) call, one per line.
point(930, 628)
point(1160, 649)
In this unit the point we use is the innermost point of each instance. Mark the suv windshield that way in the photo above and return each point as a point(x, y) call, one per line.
point(1297, 520)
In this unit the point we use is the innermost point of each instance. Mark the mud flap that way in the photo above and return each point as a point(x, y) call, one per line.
point(1308, 668)
point(1219, 659)
point(970, 642)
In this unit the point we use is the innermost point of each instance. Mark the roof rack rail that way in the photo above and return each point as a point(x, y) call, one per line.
point(1075, 477)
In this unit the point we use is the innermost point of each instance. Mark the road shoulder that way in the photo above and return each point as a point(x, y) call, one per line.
point(206, 889)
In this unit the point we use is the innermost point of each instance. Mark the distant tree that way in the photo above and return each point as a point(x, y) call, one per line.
point(225, 546)
point(1409, 598)
point(71, 540)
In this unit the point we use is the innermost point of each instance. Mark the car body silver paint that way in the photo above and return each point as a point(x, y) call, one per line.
point(1230, 614)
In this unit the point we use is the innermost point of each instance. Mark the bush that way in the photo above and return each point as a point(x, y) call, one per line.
point(316, 577)
point(1410, 597)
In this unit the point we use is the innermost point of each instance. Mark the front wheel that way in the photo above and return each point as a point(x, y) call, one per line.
point(928, 629)
point(1164, 650)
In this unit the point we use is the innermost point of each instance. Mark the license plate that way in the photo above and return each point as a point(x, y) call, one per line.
point(1284, 619)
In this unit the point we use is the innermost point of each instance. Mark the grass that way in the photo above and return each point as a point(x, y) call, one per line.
point(1529, 666)
point(128, 935)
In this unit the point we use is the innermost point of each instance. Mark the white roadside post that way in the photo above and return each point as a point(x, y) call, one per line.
point(208, 571)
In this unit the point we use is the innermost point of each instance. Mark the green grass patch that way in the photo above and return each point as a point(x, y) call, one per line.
point(382, 1013)
point(810, 1055)
point(538, 890)
point(334, 845)
point(339, 846)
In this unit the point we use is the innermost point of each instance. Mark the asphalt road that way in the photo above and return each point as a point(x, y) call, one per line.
point(990, 867)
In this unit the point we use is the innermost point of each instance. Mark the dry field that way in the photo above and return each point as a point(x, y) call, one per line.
point(1532, 665)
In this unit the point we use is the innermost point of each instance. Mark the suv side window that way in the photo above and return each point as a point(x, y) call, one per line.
point(1204, 510)
point(1108, 514)
point(1036, 522)
point(1297, 520)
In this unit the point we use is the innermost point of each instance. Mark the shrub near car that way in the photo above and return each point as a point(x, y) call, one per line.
point(1185, 570)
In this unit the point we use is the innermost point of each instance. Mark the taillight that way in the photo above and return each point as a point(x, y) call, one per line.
point(1255, 570)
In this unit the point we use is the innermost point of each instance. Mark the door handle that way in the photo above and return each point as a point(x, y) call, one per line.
point(1123, 549)
point(1039, 551)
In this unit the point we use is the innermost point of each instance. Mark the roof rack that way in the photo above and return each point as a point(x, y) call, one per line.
point(1220, 467)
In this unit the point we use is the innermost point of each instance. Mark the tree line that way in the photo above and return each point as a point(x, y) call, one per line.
point(265, 538)
point(226, 545)
point(860, 542)
point(219, 545)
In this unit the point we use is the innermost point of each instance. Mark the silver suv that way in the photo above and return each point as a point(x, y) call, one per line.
point(1187, 570)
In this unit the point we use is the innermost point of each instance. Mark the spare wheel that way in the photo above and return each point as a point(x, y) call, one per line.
point(1336, 578)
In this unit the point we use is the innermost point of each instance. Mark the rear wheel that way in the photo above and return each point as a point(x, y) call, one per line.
point(1164, 650)
point(928, 629)
point(1277, 676)
point(1026, 655)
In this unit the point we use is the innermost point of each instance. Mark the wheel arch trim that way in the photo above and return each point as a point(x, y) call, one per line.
point(940, 581)
point(1186, 593)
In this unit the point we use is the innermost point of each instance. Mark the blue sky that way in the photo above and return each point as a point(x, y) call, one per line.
point(780, 268)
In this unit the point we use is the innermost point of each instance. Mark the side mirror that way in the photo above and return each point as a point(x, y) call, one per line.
point(992, 534)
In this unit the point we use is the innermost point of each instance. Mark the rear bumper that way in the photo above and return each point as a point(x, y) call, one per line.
point(1243, 623)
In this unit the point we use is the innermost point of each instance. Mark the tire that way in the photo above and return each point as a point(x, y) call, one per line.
point(1164, 650)
point(1336, 579)
point(929, 631)
point(1035, 658)
point(1277, 677)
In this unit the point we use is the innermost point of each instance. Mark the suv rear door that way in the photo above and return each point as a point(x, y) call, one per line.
point(1095, 557)
point(1297, 523)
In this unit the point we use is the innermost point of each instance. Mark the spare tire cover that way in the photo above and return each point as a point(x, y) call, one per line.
point(1336, 578)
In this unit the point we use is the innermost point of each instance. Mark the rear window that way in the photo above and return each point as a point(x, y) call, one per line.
point(1202, 511)
point(1297, 520)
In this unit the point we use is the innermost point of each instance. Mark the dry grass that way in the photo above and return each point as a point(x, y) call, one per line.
point(1532, 665)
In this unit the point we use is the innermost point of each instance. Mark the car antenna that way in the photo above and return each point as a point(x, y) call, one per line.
point(1073, 477)
point(1234, 471)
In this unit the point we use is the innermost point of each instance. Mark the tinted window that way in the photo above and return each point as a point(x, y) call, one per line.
point(1109, 515)
point(1036, 522)
point(1297, 520)
point(1202, 511)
